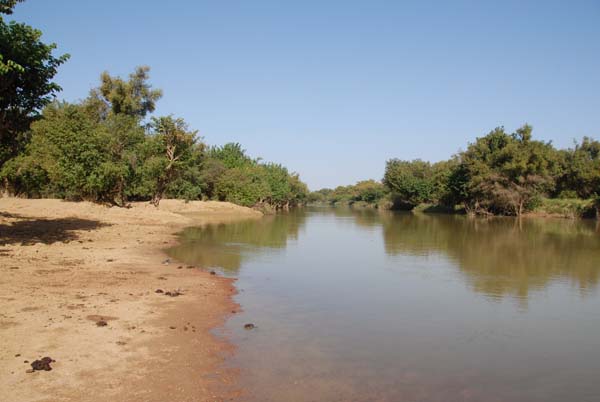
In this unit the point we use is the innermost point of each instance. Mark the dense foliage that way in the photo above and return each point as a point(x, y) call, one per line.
point(106, 148)
point(499, 173)
point(233, 176)
point(102, 149)
point(363, 193)
point(27, 68)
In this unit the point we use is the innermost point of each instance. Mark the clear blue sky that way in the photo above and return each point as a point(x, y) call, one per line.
point(332, 89)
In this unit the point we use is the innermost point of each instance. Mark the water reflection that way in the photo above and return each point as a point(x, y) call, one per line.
point(502, 256)
point(227, 245)
point(362, 305)
point(498, 257)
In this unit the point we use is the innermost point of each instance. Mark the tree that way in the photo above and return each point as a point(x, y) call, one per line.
point(134, 97)
point(369, 191)
point(245, 185)
point(231, 155)
point(175, 146)
point(6, 6)
point(70, 156)
point(27, 68)
point(502, 173)
point(581, 170)
point(409, 181)
point(85, 151)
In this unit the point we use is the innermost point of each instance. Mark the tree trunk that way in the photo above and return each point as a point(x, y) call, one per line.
point(158, 194)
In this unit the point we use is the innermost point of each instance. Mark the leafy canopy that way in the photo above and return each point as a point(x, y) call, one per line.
point(27, 68)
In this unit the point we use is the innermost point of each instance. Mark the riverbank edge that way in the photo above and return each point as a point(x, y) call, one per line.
point(549, 208)
point(68, 267)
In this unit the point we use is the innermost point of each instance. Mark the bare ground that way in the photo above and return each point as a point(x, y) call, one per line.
point(65, 266)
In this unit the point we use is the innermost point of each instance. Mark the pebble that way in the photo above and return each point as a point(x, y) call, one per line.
point(41, 365)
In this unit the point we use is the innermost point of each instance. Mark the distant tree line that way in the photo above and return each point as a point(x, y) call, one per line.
point(107, 148)
point(364, 193)
point(498, 174)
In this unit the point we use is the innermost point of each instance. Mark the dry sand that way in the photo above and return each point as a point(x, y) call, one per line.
point(64, 266)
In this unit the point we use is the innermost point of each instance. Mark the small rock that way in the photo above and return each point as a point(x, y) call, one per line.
point(213, 273)
point(101, 323)
point(159, 291)
point(173, 293)
point(17, 355)
point(249, 326)
point(172, 327)
point(42, 365)
point(167, 261)
point(110, 260)
point(29, 371)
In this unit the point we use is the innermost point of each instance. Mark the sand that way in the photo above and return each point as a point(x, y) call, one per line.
point(65, 266)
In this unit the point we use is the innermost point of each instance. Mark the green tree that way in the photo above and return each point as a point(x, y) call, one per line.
point(231, 155)
point(246, 185)
point(277, 177)
point(133, 97)
point(410, 182)
point(581, 170)
point(69, 156)
point(369, 191)
point(173, 147)
point(27, 68)
point(502, 173)
point(7, 6)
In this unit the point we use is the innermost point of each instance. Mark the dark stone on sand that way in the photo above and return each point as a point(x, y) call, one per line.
point(173, 293)
point(43, 364)
point(172, 327)
point(158, 291)
point(167, 261)
point(101, 323)
point(249, 326)
point(213, 273)
point(17, 355)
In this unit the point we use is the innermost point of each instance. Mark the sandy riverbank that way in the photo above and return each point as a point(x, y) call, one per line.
point(64, 266)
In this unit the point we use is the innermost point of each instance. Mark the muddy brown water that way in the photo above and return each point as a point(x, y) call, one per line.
point(378, 306)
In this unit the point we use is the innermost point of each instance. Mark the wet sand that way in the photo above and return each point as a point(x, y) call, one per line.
point(66, 266)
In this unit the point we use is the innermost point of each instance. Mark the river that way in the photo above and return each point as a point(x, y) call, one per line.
point(361, 305)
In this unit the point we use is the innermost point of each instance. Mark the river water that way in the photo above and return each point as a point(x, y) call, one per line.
point(361, 305)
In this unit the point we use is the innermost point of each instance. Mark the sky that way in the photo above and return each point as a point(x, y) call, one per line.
point(333, 89)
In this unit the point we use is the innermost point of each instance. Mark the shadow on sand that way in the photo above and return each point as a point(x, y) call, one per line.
point(30, 230)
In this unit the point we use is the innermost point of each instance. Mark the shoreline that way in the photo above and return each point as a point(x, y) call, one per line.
point(433, 210)
point(65, 266)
